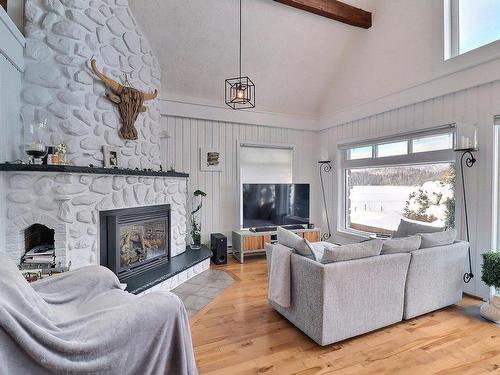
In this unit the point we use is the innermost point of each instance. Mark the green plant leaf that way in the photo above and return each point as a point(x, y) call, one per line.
point(199, 193)
point(491, 269)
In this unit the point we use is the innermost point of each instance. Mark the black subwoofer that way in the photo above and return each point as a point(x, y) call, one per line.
point(219, 248)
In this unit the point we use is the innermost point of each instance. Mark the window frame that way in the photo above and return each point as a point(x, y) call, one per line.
point(419, 158)
point(451, 31)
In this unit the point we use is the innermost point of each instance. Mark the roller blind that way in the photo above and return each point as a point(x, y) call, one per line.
point(266, 164)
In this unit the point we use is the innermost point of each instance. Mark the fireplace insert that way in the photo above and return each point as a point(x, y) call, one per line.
point(135, 240)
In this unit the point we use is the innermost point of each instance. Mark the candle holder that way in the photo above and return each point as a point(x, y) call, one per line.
point(467, 138)
point(34, 147)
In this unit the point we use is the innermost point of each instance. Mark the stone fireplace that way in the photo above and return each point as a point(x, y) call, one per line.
point(59, 87)
point(69, 204)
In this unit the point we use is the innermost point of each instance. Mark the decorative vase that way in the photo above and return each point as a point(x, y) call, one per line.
point(196, 222)
point(491, 310)
point(195, 233)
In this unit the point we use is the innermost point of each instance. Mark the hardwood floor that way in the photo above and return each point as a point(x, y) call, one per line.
point(239, 333)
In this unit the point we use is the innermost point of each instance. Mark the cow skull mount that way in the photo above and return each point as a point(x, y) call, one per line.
point(129, 100)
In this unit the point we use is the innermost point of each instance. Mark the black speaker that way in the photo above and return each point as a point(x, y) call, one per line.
point(219, 248)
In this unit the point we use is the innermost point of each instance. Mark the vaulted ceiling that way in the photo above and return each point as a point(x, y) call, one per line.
point(291, 55)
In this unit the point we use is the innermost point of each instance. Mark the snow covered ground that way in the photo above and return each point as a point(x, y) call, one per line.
point(383, 206)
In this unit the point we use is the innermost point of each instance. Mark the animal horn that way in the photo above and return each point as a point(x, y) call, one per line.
point(148, 96)
point(113, 85)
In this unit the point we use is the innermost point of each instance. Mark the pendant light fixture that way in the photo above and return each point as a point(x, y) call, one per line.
point(240, 91)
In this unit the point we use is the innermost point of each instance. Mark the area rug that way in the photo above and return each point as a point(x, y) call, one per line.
point(200, 290)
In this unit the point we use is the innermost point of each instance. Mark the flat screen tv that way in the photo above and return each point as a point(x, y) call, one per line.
point(275, 204)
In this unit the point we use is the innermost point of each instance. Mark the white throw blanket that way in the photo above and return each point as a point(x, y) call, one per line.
point(81, 322)
point(279, 276)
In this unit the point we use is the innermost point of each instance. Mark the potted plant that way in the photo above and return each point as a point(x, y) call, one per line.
point(491, 277)
point(196, 205)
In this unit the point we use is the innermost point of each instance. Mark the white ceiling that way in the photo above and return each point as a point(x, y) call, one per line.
point(291, 55)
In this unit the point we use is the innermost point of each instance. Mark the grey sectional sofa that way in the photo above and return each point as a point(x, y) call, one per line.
point(336, 301)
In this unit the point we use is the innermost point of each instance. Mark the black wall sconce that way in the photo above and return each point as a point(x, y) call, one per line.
point(467, 158)
point(325, 166)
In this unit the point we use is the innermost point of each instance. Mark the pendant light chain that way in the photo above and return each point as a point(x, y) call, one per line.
point(240, 40)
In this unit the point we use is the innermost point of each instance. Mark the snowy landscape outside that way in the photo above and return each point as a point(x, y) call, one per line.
point(378, 198)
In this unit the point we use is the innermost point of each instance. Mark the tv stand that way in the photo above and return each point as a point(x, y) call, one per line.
point(246, 242)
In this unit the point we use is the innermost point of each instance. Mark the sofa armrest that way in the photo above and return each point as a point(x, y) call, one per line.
point(306, 294)
point(435, 278)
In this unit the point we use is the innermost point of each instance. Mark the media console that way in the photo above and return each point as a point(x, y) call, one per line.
point(247, 243)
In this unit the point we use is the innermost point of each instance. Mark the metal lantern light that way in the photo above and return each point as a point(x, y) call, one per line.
point(240, 91)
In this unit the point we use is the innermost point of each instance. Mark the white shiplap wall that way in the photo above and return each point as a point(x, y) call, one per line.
point(11, 66)
point(477, 105)
point(221, 208)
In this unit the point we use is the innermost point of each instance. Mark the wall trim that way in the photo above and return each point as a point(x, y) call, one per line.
point(12, 42)
point(179, 108)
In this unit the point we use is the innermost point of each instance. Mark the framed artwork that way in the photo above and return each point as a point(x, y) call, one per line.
point(211, 160)
point(111, 156)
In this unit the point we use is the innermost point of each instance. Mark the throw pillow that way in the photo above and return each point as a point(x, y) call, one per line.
point(317, 249)
point(294, 241)
point(409, 228)
point(444, 238)
point(401, 245)
point(352, 251)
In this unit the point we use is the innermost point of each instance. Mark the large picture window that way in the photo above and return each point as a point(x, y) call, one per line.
point(410, 177)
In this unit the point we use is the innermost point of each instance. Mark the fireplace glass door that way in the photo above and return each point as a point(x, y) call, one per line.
point(142, 242)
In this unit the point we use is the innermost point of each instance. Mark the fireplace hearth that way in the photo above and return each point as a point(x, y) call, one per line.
point(135, 241)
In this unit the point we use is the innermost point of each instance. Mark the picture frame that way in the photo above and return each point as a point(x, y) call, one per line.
point(211, 159)
point(111, 156)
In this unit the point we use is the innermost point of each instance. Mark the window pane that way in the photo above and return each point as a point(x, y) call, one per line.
point(360, 153)
point(265, 164)
point(433, 143)
point(478, 22)
point(378, 198)
point(392, 149)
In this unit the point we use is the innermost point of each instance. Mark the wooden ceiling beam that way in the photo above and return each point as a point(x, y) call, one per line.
point(335, 10)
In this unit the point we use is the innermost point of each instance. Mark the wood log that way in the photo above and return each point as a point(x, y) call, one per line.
point(335, 10)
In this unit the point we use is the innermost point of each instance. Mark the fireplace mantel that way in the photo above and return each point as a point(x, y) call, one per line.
point(11, 167)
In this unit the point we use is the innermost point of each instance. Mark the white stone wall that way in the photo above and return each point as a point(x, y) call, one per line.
point(61, 37)
point(70, 204)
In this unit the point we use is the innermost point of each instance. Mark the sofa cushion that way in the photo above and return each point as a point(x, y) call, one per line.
point(317, 249)
point(444, 238)
point(409, 228)
point(401, 245)
point(351, 251)
point(294, 241)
